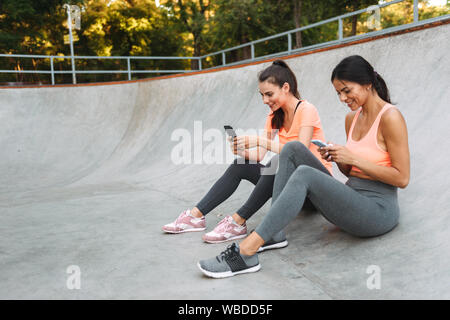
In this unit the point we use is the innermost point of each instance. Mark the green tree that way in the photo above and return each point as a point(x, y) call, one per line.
point(31, 27)
point(125, 28)
point(309, 11)
point(107, 28)
point(240, 21)
point(193, 17)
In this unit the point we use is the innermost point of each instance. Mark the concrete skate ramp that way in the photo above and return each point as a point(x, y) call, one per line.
point(88, 179)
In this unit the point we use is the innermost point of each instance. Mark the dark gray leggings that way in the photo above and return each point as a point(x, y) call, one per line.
point(361, 207)
point(238, 170)
point(230, 180)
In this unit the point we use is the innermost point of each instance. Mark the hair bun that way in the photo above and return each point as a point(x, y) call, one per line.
point(280, 63)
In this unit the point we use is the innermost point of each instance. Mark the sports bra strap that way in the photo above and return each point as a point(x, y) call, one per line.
point(297, 106)
point(374, 125)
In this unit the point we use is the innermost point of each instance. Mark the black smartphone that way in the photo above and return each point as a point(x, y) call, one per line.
point(230, 131)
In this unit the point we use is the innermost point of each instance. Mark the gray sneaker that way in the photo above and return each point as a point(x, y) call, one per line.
point(278, 241)
point(229, 263)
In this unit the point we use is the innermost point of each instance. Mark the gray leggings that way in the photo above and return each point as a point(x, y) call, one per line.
point(255, 173)
point(361, 207)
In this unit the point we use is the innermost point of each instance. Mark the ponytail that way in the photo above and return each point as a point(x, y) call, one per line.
point(278, 74)
point(381, 88)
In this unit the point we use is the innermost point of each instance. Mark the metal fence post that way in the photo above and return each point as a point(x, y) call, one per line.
point(416, 10)
point(199, 63)
point(341, 30)
point(69, 24)
point(253, 51)
point(289, 42)
point(52, 70)
point(129, 68)
point(223, 59)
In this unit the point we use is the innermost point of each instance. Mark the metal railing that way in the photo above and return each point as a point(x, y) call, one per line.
point(290, 50)
point(129, 70)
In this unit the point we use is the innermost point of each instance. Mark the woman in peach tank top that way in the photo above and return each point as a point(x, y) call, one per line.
point(375, 160)
point(368, 147)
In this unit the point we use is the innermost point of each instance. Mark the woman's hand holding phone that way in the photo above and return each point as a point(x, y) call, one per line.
point(324, 151)
point(232, 141)
point(246, 142)
point(337, 153)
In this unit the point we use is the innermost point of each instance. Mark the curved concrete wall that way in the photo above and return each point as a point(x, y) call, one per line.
point(94, 162)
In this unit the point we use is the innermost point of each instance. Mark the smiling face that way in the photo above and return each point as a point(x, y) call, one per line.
point(352, 93)
point(273, 95)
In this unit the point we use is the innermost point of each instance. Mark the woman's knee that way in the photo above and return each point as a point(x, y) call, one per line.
point(238, 165)
point(241, 169)
point(305, 173)
point(292, 147)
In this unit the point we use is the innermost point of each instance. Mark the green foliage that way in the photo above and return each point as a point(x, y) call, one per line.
point(175, 28)
point(28, 26)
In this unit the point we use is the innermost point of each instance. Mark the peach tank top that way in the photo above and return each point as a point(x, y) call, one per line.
point(367, 147)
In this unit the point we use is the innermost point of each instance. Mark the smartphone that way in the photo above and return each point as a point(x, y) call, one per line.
point(319, 143)
point(230, 131)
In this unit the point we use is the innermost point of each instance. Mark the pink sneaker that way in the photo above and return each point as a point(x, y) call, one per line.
point(185, 223)
point(226, 230)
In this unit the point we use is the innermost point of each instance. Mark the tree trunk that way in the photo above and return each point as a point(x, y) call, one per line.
point(354, 23)
point(246, 51)
point(197, 52)
point(297, 15)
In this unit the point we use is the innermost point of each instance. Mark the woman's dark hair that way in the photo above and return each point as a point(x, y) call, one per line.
point(357, 69)
point(279, 73)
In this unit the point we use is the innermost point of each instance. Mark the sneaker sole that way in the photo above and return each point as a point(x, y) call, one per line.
point(221, 275)
point(229, 239)
point(186, 230)
point(278, 245)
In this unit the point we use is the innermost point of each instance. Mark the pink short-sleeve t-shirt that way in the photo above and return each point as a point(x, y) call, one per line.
point(305, 116)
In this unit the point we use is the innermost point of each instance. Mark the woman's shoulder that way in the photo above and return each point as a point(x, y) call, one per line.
point(306, 104)
point(391, 111)
point(306, 108)
point(391, 116)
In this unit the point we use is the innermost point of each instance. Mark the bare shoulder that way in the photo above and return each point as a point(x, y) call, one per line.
point(348, 120)
point(392, 118)
point(393, 124)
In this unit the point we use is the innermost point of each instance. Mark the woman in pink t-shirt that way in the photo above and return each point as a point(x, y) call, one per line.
point(295, 120)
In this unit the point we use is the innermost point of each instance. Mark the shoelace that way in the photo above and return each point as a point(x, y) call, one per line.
point(181, 217)
point(227, 252)
point(223, 225)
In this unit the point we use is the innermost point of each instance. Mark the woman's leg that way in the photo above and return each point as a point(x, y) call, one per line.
point(339, 203)
point(194, 220)
point(234, 227)
point(293, 155)
point(350, 210)
point(343, 206)
point(298, 154)
point(262, 191)
point(228, 183)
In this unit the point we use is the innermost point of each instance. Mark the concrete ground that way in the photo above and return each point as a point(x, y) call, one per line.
point(89, 175)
